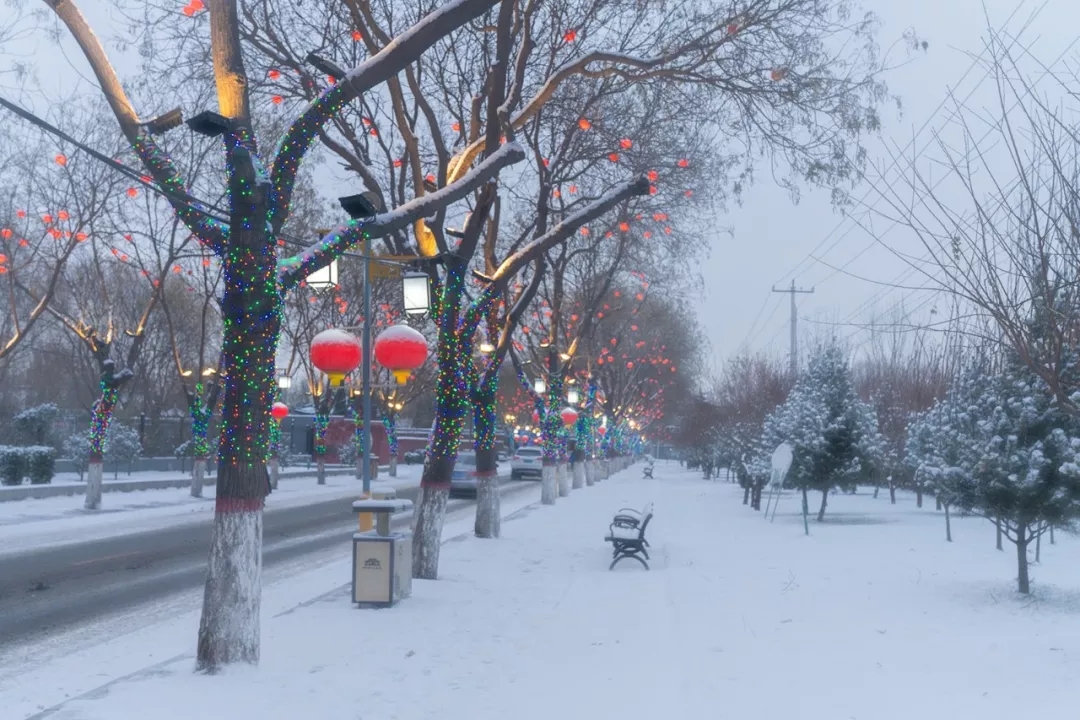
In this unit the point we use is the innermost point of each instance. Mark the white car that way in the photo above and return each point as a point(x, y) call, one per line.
point(526, 462)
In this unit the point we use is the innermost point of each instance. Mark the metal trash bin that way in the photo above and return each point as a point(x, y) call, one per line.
point(373, 459)
point(382, 560)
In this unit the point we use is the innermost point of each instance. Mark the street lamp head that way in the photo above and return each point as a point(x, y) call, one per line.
point(416, 293)
point(284, 382)
point(323, 65)
point(210, 124)
point(165, 122)
point(365, 205)
point(207, 372)
point(545, 343)
point(572, 396)
point(325, 278)
point(186, 373)
point(486, 348)
point(540, 387)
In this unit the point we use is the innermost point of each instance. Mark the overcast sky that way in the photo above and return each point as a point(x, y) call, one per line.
point(774, 241)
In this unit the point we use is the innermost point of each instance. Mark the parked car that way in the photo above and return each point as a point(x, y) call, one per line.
point(526, 462)
point(463, 479)
point(414, 457)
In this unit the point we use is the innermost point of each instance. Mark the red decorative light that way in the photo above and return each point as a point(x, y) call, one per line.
point(570, 36)
point(132, 192)
point(273, 74)
point(626, 143)
point(456, 127)
point(401, 349)
point(613, 157)
point(624, 226)
point(336, 352)
point(584, 124)
point(276, 99)
point(601, 431)
point(683, 163)
point(356, 36)
point(569, 416)
point(279, 411)
point(61, 159)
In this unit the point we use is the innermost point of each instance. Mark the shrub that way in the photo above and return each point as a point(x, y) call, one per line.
point(12, 465)
point(34, 425)
point(77, 447)
point(40, 463)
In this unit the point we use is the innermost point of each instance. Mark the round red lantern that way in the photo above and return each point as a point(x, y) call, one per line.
point(602, 431)
point(569, 416)
point(401, 349)
point(336, 352)
point(279, 411)
point(536, 417)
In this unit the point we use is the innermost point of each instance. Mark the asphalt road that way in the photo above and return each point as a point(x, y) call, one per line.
point(47, 591)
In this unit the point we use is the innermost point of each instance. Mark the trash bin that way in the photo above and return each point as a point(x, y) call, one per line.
point(382, 560)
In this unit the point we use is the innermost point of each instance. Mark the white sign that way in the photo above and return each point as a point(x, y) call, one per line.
point(781, 463)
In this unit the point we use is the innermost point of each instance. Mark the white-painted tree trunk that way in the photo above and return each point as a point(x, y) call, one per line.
point(590, 473)
point(230, 619)
point(488, 508)
point(198, 477)
point(562, 479)
point(359, 467)
point(393, 466)
point(320, 471)
point(578, 469)
point(427, 531)
point(549, 490)
point(275, 470)
point(94, 473)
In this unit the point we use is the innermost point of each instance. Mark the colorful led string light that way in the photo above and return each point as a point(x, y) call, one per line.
point(200, 423)
point(101, 418)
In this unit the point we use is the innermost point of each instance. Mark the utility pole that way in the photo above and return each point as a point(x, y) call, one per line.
point(794, 325)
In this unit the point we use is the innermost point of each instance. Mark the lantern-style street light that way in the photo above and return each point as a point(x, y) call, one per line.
point(284, 382)
point(573, 396)
point(324, 278)
point(416, 293)
point(539, 386)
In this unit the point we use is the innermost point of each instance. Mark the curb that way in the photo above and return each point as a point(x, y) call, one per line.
point(38, 492)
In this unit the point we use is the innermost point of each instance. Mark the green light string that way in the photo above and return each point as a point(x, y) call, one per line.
point(452, 397)
point(100, 420)
point(390, 423)
point(358, 430)
point(200, 423)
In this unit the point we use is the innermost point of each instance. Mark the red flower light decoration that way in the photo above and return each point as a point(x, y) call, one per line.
point(584, 124)
point(570, 36)
point(61, 159)
point(626, 143)
point(683, 163)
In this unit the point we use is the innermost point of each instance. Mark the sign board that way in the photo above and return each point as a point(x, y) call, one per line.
point(781, 463)
point(392, 266)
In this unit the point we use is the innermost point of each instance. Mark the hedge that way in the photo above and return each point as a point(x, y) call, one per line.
point(36, 461)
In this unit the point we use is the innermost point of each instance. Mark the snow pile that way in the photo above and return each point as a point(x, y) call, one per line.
point(873, 616)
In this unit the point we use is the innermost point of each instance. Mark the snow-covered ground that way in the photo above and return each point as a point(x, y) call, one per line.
point(874, 616)
point(29, 524)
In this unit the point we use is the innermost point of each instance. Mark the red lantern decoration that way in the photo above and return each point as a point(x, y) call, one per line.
point(601, 431)
point(336, 352)
point(626, 143)
point(400, 349)
point(279, 411)
point(569, 416)
point(584, 124)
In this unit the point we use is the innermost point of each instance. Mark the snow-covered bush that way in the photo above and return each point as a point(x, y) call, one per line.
point(347, 453)
point(16, 463)
point(122, 445)
point(77, 447)
point(34, 425)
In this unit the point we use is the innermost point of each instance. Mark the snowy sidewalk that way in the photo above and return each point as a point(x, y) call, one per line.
point(873, 617)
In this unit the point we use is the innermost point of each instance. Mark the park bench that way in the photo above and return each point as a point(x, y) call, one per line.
point(648, 472)
point(627, 535)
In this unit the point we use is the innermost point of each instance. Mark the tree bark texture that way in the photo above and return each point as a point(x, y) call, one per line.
point(275, 470)
point(393, 465)
point(892, 492)
point(100, 420)
point(488, 509)
point(578, 470)
point(997, 524)
point(427, 528)
point(590, 473)
point(562, 479)
point(824, 504)
point(198, 477)
point(549, 489)
point(746, 495)
point(1023, 582)
point(948, 524)
point(95, 471)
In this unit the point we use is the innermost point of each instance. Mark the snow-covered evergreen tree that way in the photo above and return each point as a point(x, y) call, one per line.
point(823, 421)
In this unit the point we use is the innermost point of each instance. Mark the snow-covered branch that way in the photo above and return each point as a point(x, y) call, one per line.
point(322, 253)
point(403, 50)
point(565, 229)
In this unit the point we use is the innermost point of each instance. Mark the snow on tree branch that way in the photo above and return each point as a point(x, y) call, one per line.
point(403, 50)
point(322, 253)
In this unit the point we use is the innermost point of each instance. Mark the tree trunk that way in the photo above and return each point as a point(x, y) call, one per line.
point(1038, 544)
point(746, 495)
point(1051, 534)
point(429, 517)
point(488, 512)
point(94, 473)
point(198, 476)
point(918, 496)
point(1022, 581)
point(562, 479)
point(549, 488)
point(320, 469)
point(100, 420)
point(590, 473)
point(275, 470)
point(877, 487)
point(997, 523)
point(948, 524)
point(393, 465)
point(824, 503)
point(577, 467)
point(251, 316)
point(937, 499)
point(805, 511)
point(892, 491)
